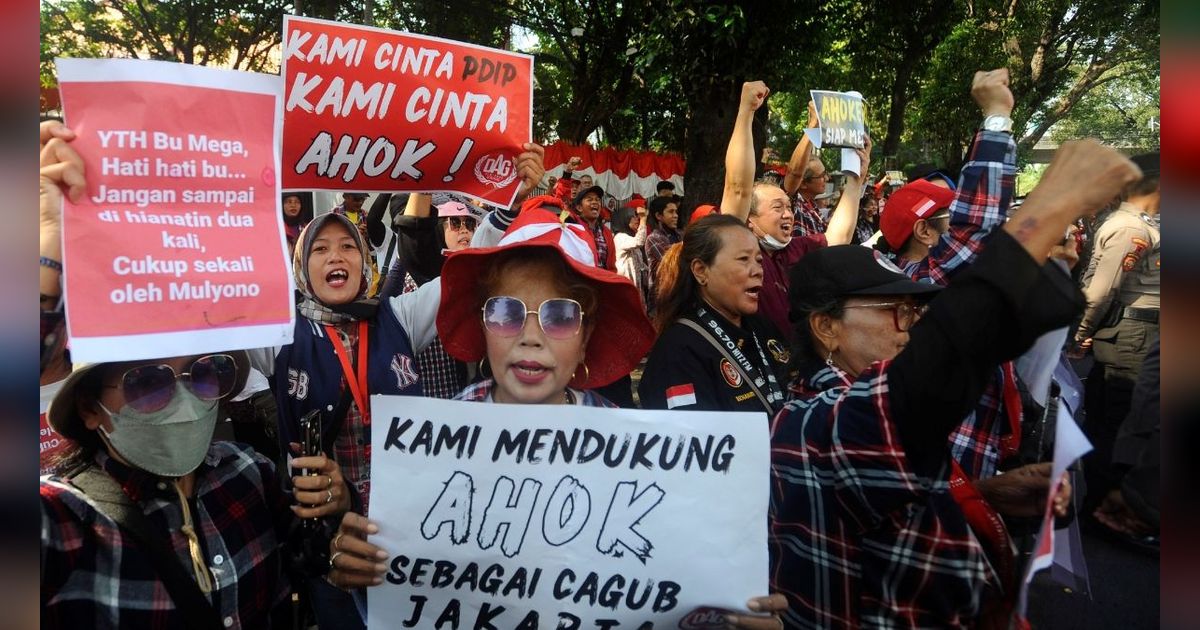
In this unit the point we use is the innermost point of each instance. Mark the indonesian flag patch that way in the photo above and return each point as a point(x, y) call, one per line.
point(680, 395)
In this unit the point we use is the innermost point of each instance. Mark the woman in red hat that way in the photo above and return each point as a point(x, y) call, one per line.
point(527, 308)
point(545, 268)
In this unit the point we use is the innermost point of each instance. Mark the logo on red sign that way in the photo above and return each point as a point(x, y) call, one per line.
point(495, 169)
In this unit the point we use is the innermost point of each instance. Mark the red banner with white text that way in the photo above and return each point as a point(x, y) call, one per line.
point(369, 109)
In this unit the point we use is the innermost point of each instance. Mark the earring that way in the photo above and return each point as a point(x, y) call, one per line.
point(829, 359)
point(484, 368)
point(587, 374)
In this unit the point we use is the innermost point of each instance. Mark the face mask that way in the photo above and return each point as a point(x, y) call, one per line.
point(170, 442)
point(772, 243)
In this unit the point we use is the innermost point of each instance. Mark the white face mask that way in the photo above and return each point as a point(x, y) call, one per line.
point(170, 442)
point(772, 243)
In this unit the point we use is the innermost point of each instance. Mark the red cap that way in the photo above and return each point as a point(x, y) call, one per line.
point(917, 200)
point(702, 211)
point(637, 201)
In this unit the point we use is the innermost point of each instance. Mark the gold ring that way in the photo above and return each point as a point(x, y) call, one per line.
point(330, 484)
point(334, 557)
point(329, 497)
point(336, 539)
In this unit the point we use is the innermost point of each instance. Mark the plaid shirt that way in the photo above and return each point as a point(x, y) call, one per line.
point(440, 373)
point(94, 576)
point(658, 241)
point(808, 218)
point(979, 208)
point(858, 538)
point(482, 392)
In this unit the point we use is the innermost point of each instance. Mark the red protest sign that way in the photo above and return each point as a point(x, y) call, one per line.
point(370, 109)
point(177, 247)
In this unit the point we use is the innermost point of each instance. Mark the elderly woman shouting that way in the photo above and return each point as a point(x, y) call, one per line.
point(867, 528)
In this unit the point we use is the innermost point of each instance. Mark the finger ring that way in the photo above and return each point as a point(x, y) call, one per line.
point(329, 496)
point(336, 539)
point(332, 558)
point(330, 484)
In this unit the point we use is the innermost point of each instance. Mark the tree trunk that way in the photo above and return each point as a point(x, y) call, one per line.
point(713, 113)
point(900, 91)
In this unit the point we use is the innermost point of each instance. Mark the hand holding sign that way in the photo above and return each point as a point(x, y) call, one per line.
point(814, 121)
point(531, 168)
point(353, 561)
point(60, 168)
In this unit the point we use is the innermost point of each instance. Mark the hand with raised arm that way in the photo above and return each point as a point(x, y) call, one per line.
point(798, 163)
point(739, 156)
point(990, 91)
point(840, 230)
point(1083, 177)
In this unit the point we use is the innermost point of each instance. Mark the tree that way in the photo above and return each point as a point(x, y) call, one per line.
point(888, 44)
point(1058, 51)
point(237, 33)
point(483, 23)
point(713, 49)
point(586, 60)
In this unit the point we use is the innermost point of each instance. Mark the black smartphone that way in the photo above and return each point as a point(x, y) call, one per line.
point(310, 438)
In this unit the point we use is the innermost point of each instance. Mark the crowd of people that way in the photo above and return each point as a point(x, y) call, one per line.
point(874, 326)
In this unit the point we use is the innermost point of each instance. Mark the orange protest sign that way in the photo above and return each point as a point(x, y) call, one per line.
point(177, 247)
point(370, 109)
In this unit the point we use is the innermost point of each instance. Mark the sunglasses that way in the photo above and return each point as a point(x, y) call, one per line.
point(904, 314)
point(457, 223)
point(149, 388)
point(560, 318)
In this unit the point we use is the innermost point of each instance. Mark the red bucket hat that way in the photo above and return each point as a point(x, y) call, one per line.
point(911, 202)
point(460, 323)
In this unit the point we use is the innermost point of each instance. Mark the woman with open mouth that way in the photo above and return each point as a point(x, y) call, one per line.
point(714, 353)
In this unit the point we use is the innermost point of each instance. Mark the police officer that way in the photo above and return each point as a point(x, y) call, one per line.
point(1121, 321)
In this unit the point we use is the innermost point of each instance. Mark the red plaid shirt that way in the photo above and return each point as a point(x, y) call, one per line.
point(808, 219)
point(94, 576)
point(858, 537)
point(979, 208)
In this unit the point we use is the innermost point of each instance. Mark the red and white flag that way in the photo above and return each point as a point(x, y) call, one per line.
point(680, 395)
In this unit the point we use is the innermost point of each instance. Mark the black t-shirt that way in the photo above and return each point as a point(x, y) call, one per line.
point(685, 371)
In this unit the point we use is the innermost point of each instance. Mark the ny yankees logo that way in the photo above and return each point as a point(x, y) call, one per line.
point(406, 375)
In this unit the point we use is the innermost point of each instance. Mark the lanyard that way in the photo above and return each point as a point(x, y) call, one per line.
point(358, 386)
point(761, 377)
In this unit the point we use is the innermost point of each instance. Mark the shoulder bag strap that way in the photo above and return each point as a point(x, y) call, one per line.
point(732, 361)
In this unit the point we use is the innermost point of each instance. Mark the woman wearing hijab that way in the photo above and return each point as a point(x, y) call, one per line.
point(296, 214)
point(528, 307)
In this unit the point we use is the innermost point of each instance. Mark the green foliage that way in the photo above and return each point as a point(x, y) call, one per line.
point(666, 76)
point(236, 33)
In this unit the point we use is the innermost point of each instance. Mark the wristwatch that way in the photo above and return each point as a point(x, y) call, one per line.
point(998, 123)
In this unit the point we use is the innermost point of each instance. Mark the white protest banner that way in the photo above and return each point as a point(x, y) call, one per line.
point(177, 247)
point(540, 516)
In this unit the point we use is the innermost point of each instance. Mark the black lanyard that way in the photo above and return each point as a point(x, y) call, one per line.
point(760, 377)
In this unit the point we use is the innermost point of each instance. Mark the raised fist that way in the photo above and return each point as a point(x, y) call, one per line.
point(991, 93)
point(754, 94)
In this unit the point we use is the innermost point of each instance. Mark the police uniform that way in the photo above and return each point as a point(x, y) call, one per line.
point(688, 369)
point(1122, 286)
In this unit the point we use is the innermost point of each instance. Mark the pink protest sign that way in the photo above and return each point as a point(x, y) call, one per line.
point(177, 247)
